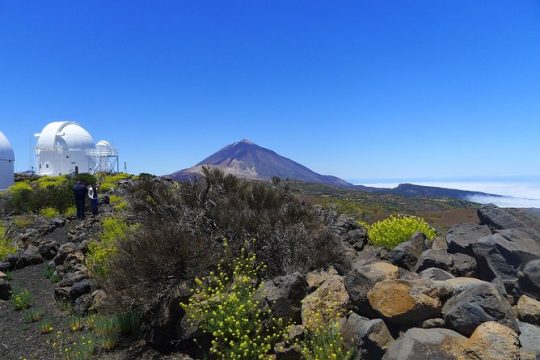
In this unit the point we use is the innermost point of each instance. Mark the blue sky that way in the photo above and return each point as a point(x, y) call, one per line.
point(357, 89)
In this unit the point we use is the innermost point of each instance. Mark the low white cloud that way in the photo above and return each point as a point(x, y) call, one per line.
point(515, 194)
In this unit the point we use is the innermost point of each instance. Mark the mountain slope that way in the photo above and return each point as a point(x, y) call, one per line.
point(248, 160)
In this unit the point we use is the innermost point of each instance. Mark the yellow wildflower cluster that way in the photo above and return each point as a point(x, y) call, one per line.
point(224, 305)
point(325, 343)
point(394, 230)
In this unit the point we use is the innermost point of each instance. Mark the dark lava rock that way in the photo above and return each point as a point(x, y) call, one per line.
point(426, 344)
point(497, 256)
point(80, 288)
point(30, 256)
point(371, 338)
point(5, 289)
point(5, 266)
point(434, 259)
point(358, 286)
point(64, 251)
point(82, 304)
point(436, 274)
point(163, 326)
point(463, 265)
point(48, 250)
point(406, 254)
point(529, 279)
point(497, 218)
point(457, 264)
point(461, 237)
point(479, 304)
point(284, 296)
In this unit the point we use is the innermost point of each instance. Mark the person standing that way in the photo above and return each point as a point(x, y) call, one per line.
point(92, 194)
point(79, 192)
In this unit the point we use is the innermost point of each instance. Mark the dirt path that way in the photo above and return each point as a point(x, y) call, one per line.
point(19, 339)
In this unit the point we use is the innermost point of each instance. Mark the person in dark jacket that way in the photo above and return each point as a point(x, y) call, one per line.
point(92, 194)
point(79, 191)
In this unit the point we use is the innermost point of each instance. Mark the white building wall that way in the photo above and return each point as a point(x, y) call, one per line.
point(6, 173)
point(60, 162)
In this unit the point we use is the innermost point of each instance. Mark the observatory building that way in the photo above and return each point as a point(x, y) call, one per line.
point(65, 147)
point(7, 162)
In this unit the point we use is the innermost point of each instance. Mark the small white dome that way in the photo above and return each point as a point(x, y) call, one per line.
point(103, 144)
point(6, 150)
point(64, 135)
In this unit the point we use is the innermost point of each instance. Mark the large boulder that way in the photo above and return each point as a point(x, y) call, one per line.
point(529, 279)
point(407, 303)
point(358, 286)
point(528, 310)
point(426, 344)
point(496, 218)
point(530, 338)
point(467, 310)
point(406, 254)
point(461, 237)
point(64, 251)
point(378, 271)
point(80, 288)
point(323, 304)
point(28, 257)
point(457, 264)
point(502, 256)
point(284, 295)
point(371, 338)
point(492, 341)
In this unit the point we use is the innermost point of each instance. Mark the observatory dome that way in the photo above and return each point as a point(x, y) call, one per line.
point(64, 135)
point(62, 148)
point(6, 151)
point(7, 161)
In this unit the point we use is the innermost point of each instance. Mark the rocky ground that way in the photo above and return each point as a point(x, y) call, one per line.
point(471, 294)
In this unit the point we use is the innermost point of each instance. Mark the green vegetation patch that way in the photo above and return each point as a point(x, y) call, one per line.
point(101, 251)
point(394, 230)
point(6, 244)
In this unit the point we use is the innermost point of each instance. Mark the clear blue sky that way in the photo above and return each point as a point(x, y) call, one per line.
point(357, 89)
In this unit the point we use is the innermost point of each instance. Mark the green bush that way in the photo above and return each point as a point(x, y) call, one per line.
point(6, 244)
point(225, 306)
point(49, 213)
point(45, 192)
point(394, 230)
point(100, 252)
point(325, 343)
point(22, 299)
point(109, 182)
point(70, 212)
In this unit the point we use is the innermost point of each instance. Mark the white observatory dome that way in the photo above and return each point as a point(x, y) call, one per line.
point(7, 162)
point(65, 135)
point(62, 147)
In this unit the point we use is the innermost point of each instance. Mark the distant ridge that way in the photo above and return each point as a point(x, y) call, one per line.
point(248, 160)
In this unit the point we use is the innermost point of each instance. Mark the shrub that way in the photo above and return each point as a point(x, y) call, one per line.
point(225, 306)
point(20, 196)
point(107, 331)
point(325, 343)
point(22, 299)
point(182, 226)
point(70, 212)
point(45, 327)
point(33, 315)
point(6, 244)
point(100, 252)
point(75, 323)
point(23, 221)
point(394, 230)
point(110, 182)
point(49, 213)
point(129, 323)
